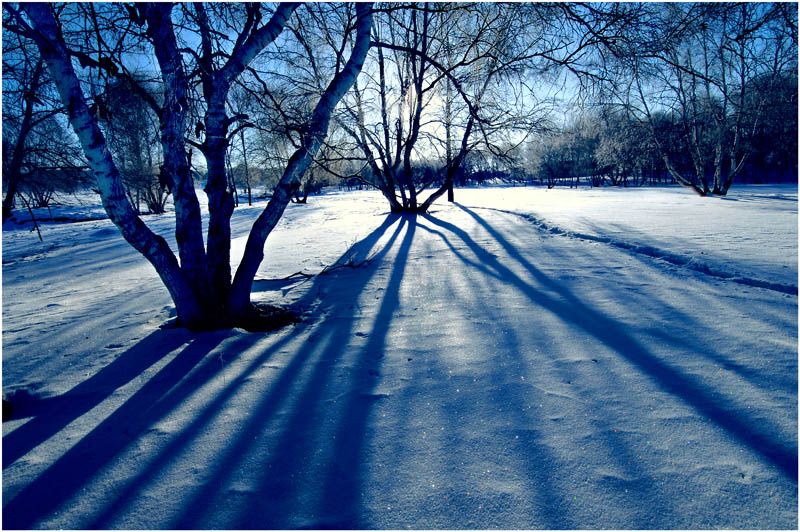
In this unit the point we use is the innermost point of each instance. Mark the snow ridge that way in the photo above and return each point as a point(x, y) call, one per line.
point(673, 258)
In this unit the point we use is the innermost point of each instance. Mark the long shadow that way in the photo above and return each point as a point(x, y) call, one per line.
point(736, 422)
point(177, 396)
point(52, 414)
point(667, 256)
point(342, 487)
point(302, 431)
point(162, 394)
point(343, 479)
point(786, 382)
point(99, 447)
point(757, 197)
point(264, 513)
point(542, 468)
point(683, 333)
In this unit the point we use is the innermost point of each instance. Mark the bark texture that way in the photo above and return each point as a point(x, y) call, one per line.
point(153, 247)
point(200, 285)
point(239, 299)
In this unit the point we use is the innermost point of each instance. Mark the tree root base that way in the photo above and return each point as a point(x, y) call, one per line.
point(260, 317)
point(265, 318)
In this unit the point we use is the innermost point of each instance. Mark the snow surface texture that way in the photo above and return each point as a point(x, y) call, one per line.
point(523, 358)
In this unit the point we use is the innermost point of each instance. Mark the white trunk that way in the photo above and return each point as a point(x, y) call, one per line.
point(153, 247)
point(299, 162)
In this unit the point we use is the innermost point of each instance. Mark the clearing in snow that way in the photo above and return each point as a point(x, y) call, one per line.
point(523, 358)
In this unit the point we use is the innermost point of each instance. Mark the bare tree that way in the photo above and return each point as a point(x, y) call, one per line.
point(697, 63)
point(131, 129)
point(200, 284)
point(12, 165)
point(38, 158)
point(440, 72)
point(280, 88)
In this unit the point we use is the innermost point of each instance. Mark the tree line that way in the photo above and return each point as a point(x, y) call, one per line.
point(408, 98)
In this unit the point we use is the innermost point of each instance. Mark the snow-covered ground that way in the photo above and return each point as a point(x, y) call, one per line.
point(524, 358)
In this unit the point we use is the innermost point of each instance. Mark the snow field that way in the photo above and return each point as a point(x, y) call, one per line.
point(479, 371)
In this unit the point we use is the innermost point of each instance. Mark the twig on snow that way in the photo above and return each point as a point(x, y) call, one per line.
point(351, 263)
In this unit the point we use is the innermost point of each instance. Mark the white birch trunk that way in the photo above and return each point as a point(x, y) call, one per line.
point(239, 298)
point(153, 247)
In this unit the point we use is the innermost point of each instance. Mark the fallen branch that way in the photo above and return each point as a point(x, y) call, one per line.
point(327, 269)
point(304, 275)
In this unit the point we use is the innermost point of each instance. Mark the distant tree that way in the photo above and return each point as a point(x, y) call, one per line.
point(286, 82)
point(774, 147)
point(131, 129)
point(238, 147)
point(39, 157)
point(696, 64)
point(200, 284)
point(624, 149)
point(15, 138)
point(443, 80)
point(53, 164)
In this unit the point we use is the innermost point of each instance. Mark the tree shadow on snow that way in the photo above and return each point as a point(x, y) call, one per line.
point(297, 458)
point(512, 399)
point(51, 414)
point(682, 333)
point(572, 310)
point(280, 483)
point(258, 511)
point(161, 394)
point(67, 475)
point(312, 473)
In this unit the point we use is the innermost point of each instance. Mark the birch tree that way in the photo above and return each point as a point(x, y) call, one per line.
point(199, 278)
